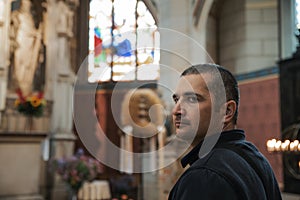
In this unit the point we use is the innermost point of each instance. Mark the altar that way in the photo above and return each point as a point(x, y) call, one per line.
point(20, 171)
point(37, 75)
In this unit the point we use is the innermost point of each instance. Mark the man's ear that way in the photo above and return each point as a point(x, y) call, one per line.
point(230, 111)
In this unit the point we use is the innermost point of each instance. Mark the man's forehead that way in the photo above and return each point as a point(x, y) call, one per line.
point(192, 83)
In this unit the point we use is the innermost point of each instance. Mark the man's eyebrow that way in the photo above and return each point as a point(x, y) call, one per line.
point(175, 96)
point(193, 94)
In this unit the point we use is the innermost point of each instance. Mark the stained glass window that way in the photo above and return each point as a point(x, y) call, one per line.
point(297, 5)
point(123, 41)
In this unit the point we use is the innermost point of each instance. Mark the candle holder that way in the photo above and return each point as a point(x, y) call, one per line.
point(286, 146)
point(289, 146)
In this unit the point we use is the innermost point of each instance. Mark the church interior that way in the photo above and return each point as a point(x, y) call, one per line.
point(86, 91)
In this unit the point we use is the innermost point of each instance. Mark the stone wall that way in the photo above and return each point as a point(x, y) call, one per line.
point(231, 34)
point(262, 31)
point(243, 35)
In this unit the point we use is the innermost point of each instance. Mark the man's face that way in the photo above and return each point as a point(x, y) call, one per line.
point(193, 105)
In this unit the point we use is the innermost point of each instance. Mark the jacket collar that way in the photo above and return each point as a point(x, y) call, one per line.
point(225, 137)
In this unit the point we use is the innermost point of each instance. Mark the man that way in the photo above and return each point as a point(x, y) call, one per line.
point(223, 165)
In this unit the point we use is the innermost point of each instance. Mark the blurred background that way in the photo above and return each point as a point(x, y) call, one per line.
point(50, 47)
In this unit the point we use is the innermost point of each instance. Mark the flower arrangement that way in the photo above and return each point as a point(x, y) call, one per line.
point(32, 105)
point(77, 169)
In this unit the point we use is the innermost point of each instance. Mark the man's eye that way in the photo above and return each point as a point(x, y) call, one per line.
point(192, 99)
point(175, 100)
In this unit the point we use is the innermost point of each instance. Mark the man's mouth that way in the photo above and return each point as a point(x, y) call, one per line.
point(181, 123)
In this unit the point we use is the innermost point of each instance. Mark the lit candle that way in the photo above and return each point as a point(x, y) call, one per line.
point(287, 142)
point(287, 145)
point(296, 143)
point(292, 146)
point(284, 147)
point(278, 145)
point(271, 145)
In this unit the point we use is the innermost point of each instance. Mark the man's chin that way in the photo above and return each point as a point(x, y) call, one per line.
point(187, 136)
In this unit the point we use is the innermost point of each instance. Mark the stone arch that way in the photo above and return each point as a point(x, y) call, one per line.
point(200, 17)
point(152, 8)
point(222, 29)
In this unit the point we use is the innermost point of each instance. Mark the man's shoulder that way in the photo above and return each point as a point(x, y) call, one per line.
point(216, 159)
point(219, 163)
point(227, 163)
point(204, 181)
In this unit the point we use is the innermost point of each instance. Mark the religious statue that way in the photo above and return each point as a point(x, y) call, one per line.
point(65, 21)
point(64, 30)
point(2, 9)
point(26, 43)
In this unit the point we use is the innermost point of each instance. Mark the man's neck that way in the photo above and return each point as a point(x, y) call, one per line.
point(229, 126)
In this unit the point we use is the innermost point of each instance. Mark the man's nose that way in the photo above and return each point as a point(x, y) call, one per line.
point(178, 109)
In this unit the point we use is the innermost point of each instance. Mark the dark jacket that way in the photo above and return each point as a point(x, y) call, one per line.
point(233, 169)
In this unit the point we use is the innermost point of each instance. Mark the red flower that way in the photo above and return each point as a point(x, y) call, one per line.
point(20, 95)
point(31, 105)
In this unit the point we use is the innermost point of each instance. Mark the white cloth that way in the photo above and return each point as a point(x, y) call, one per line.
point(96, 190)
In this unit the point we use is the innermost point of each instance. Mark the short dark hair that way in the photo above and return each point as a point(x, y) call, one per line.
point(229, 81)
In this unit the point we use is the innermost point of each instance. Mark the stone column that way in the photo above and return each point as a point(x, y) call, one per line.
point(59, 85)
point(62, 77)
point(5, 7)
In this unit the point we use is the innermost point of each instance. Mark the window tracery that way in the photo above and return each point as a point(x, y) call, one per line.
point(123, 41)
